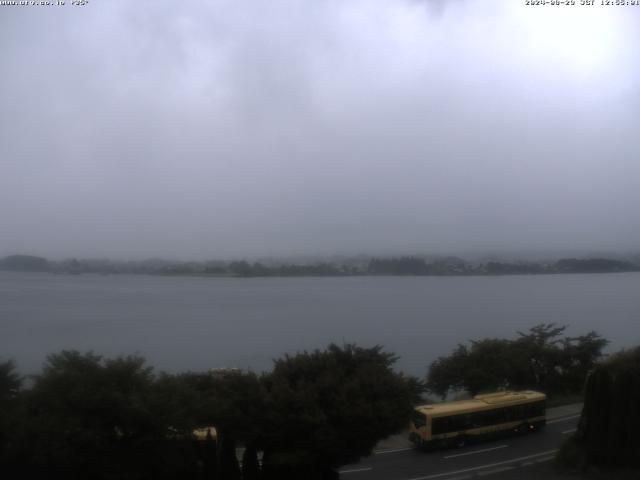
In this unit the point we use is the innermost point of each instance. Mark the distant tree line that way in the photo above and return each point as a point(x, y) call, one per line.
point(85, 416)
point(256, 269)
point(375, 266)
point(540, 359)
point(593, 265)
point(458, 266)
point(25, 263)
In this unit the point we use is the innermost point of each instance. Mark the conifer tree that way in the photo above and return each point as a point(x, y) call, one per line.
point(250, 465)
point(210, 457)
point(610, 420)
point(229, 468)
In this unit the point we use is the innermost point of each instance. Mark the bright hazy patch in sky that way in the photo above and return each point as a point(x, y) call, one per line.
point(231, 128)
point(589, 40)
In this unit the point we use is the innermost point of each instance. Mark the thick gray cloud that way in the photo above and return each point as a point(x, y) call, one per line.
point(226, 128)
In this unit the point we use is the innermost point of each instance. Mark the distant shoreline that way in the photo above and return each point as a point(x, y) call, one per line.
point(351, 267)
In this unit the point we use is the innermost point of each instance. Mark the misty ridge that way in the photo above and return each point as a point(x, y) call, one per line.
point(323, 267)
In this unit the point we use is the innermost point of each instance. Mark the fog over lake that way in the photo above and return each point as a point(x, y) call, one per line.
point(189, 323)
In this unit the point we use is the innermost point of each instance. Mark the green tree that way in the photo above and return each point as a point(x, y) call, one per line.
point(607, 431)
point(329, 408)
point(539, 359)
point(10, 381)
point(10, 385)
point(232, 400)
point(581, 356)
point(483, 366)
point(90, 417)
point(540, 346)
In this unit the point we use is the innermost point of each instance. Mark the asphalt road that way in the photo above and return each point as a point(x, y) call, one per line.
point(477, 460)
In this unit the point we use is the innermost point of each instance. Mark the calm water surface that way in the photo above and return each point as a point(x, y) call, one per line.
point(182, 323)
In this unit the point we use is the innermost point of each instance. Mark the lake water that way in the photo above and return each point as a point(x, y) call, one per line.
point(191, 323)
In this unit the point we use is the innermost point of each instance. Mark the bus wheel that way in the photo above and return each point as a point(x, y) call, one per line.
point(520, 429)
point(461, 442)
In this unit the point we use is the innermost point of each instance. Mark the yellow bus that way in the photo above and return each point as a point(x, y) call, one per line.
point(202, 433)
point(483, 416)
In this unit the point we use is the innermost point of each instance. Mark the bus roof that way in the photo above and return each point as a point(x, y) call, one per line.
point(482, 402)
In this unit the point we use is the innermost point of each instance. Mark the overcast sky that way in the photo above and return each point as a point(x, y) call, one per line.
point(213, 129)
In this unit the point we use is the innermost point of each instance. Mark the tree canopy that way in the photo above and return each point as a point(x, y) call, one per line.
point(328, 408)
point(10, 381)
point(610, 419)
point(607, 434)
point(10, 384)
point(89, 417)
point(540, 359)
point(86, 416)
